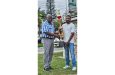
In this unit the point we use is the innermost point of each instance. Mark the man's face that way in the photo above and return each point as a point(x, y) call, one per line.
point(49, 19)
point(68, 19)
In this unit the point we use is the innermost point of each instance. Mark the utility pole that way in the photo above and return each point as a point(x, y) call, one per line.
point(66, 7)
point(51, 8)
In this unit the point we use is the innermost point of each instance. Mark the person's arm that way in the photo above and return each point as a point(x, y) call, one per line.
point(45, 30)
point(72, 34)
point(51, 34)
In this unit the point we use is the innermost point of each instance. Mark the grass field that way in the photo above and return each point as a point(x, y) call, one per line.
point(40, 45)
point(57, 65)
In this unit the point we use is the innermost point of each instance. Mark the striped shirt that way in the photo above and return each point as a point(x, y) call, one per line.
point(47, 27)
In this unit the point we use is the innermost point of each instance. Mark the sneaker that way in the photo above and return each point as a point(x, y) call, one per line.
point(46, 69)
point(74, 69)
point(66, 67)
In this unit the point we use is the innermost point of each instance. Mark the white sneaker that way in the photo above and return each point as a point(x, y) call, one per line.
point(66, 67)
point(74, 69)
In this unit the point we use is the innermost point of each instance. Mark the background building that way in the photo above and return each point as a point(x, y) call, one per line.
point(72, 8)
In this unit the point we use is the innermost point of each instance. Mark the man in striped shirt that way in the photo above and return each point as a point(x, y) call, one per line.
point(48, 35)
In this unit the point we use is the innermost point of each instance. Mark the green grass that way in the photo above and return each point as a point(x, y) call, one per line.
point(40, 45)
point(57, 64)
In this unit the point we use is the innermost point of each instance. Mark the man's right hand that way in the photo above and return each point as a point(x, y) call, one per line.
point(56, 35)
point(56, 32)
point(52, 34)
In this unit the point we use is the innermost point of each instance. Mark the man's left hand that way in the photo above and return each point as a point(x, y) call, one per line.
point(66, 43)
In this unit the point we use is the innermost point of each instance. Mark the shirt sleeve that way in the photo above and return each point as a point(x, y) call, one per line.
point(72, 28)
point(44, 28)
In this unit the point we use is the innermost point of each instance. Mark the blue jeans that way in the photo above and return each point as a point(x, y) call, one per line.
point(71, 48)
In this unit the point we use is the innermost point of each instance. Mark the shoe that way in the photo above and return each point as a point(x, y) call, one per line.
point(66, 67)
point(46, 69)
point(74, 69)
point(50, 67)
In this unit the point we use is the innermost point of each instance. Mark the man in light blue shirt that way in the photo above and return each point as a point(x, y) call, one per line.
point(48, 35)
point(47, 27)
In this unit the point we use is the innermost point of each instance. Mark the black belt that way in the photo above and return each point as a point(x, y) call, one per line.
point(47, 38)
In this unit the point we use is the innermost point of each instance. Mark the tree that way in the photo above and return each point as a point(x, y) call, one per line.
point(41, 18)
point(56, 24)
point(50, 4)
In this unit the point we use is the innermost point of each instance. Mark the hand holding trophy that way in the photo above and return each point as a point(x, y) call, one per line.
point(56, 34)
point(61, 32)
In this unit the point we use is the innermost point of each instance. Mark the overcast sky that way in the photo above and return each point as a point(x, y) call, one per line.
point(59, 4)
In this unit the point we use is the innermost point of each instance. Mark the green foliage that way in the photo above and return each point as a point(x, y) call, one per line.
point(41, 17)
point(40, 44)
point(56, 24)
